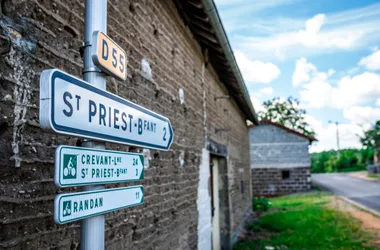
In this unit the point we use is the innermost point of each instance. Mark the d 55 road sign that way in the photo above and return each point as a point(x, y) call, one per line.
point(109, 56)
point(81, 205)
point(76, 166)
point(72, 106)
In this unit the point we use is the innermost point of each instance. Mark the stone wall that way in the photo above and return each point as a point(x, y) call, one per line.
point(275, 151)
point(271, 181)
point(271, 146)
point(42, 34)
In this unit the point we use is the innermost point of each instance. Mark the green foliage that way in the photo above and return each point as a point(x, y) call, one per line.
point(314, 227)
point(287, 113)
point(300, 200)
point(260, 204)
point(366, 156)
point(348, 160)
point(371, 138)
point(244, 245)
point(305, 222)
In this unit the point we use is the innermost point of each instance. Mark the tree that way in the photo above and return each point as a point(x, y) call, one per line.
point(371, 139)
point(319, 162)
point(287, 113)
point(366, 156)
point(330, 165)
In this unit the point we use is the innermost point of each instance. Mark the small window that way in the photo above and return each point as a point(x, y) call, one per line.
point(285, 174)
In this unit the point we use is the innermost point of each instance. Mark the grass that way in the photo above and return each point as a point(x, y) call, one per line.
point(305, 222)
point(375, 176)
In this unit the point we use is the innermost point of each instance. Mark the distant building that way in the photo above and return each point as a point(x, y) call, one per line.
point(280, 160)
point(180, 65)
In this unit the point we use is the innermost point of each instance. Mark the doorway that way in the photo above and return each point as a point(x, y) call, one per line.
point(215, 212)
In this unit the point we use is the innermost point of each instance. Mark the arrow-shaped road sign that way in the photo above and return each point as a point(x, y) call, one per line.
point(77, 206)
point(76, 166)
point(71, 106)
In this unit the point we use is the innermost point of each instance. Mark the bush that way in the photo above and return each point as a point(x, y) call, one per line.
point(244, 245)
point(260, 204)
point(347, 160)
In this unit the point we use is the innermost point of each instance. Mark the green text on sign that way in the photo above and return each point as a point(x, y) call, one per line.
point(77, 206)
point(76, 166)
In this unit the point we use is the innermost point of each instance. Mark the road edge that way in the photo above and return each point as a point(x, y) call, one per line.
point(352, 202)
point(362, 207)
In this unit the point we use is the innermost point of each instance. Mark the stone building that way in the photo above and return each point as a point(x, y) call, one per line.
point(280, 160)
point(180, 65)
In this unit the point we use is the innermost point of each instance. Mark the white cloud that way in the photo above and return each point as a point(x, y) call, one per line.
point(266, 91)
point(312, 37)
point(256, 104)
point(362, 115)
point(257, 95)
point(356, 90)
point(371, 62)
point(318, 92)
point(330, 72)
point(352, 71)
point(314, 24)
point(326, 135)
point(378, 102)
point(369, 12)
point(302, 72)
point(320, 34)
point(256, 71)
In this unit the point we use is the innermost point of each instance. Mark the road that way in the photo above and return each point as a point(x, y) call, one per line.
point(362, 191)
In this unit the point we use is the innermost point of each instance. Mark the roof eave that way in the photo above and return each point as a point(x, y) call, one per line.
point(202, 17)
point(216, 23)
point(309, 137)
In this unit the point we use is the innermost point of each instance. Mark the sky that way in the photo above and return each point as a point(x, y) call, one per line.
point(324, 53)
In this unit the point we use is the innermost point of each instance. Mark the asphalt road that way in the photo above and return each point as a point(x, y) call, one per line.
point(362, 191)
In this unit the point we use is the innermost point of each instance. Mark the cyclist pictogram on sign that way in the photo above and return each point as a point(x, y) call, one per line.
point(70, 166)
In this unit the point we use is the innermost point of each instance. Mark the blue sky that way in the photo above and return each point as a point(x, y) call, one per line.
point(325, 53)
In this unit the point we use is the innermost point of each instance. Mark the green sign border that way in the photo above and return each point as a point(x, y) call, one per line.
point(58, 165)
point(58, 198)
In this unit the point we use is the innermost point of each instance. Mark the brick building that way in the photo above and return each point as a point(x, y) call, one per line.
point(198, 193)
point(280, 159)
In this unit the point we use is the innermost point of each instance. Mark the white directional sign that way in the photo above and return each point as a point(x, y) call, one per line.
point(77, 206)
point(71, 106)
point(76, 166)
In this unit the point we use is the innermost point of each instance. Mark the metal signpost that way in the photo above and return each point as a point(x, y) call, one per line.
point(76, 166)
point(72, 106)
point(84, 108)
point(76, 206)
point(92, 229)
